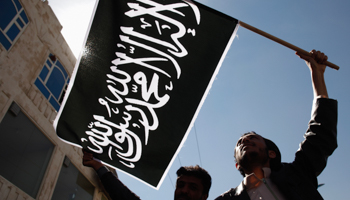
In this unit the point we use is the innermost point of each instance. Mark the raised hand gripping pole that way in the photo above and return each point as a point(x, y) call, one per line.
point(284, 43)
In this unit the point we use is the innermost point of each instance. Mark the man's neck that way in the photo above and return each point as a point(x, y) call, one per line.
point(258, 171)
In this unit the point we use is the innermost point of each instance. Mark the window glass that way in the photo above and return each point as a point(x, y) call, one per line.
point(61, 67)
point(13, 21)
point(20, 23)
point(42, 88)
point(25, 152)
point(18, 5)
point(4, 41)
point(24, 17)
point(56, 82)
point(52, 81)
point(48, 63)
point(72, 184)
point(13, 32)
point(7, 13)
point(43, 74)
point(54, 103)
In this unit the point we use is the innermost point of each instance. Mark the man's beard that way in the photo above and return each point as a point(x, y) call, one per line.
point(253, 159)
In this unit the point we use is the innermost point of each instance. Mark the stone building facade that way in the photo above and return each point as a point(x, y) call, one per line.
point(35, 67)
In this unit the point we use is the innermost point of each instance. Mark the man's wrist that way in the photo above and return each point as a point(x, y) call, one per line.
point(322, 96)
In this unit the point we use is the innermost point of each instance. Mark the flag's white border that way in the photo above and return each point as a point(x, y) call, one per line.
point(192, 121)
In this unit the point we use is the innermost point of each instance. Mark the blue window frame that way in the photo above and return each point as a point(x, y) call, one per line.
point(52, 81)
point(13, 21)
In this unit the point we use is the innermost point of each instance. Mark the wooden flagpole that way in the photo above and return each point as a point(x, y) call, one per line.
point(284, 43)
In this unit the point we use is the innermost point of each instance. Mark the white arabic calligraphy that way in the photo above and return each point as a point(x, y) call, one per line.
point(136, 95)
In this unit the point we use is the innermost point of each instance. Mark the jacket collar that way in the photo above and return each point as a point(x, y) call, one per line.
point(239, 189)
point(252, 181)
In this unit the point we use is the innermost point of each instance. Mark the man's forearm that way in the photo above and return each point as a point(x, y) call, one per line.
point(319, 84)
point(116, 189)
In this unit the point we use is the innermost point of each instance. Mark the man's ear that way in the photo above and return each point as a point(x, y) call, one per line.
point(237, 166)
point(272, 154)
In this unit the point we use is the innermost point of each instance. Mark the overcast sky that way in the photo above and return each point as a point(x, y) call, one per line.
point(261, 86)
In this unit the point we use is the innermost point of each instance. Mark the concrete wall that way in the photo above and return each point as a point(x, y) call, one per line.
point(19, 67)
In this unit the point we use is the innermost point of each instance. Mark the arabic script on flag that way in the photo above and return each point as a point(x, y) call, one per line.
point(141, 80)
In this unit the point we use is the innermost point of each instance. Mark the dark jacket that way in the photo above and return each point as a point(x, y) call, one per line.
point(114, 187)
point(298, 180)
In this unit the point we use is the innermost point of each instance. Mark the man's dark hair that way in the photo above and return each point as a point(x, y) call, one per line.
point(275, 163)
point(199, 173)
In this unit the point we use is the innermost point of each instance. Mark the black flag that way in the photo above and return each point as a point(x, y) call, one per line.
point(143, 75)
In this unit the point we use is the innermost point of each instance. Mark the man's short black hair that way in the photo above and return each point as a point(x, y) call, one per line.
point(199, 173)
point(275, 163)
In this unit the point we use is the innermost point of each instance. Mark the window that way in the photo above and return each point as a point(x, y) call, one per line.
point(52, 81)
point(13, 21)
point(72, 184)
point(24, 151)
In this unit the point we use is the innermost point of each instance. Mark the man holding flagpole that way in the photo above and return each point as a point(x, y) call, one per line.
point(259, 160)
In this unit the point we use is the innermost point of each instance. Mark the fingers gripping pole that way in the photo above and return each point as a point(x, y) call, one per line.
point(282, 42)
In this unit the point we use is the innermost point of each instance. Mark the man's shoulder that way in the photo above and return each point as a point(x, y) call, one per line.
point(227, 195)
point(238, 193)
